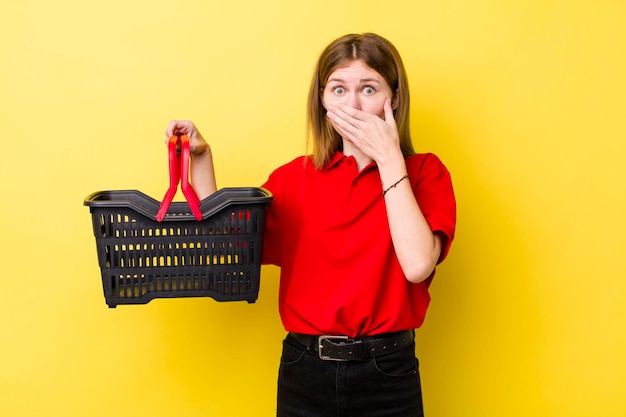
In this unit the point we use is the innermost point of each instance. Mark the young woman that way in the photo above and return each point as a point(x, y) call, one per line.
point(357, 228)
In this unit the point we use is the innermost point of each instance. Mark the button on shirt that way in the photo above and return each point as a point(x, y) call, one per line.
point(328, 231)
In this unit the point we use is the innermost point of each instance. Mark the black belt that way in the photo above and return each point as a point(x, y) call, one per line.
point(343, 348)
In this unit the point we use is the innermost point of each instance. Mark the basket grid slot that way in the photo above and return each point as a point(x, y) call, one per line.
point(178, 254)
point(138, 285)
point(127, 224)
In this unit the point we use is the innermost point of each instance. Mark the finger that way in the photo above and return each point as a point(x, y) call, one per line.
point(173, 129)
point(169, 132)
point(348, 113)
point(341, 125)
point(389, 117)
point(351, 126)
point(179, 127)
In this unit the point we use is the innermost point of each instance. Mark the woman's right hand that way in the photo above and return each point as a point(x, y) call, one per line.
point(202, 172)
point(197, 144)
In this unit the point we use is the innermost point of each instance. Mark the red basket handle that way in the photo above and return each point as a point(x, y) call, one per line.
point(179, 166)
point(188, 191)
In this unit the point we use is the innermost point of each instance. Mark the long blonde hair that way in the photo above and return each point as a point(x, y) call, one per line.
point(380, 55)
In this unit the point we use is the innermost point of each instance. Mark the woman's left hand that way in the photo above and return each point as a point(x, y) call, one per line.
point(373, 135)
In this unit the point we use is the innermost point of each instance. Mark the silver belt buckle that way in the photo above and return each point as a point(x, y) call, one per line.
point(320, 346)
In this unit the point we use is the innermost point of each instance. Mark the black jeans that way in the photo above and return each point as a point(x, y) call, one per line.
point(385, 386)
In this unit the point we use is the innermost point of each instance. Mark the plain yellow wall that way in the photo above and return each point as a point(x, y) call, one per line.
point(524, 101)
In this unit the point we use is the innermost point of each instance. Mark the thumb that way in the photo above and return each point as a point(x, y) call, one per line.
point(389, 117)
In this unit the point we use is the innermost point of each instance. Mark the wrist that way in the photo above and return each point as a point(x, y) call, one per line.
point(396, 183)
point(392, 161)
point(391, 171)
point(200, 151)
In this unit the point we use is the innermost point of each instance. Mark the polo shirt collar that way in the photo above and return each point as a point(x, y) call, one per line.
point(340, 156)
point(337, 157)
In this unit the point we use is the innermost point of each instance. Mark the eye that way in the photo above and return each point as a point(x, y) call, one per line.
point(339, 90)
point(369, 91)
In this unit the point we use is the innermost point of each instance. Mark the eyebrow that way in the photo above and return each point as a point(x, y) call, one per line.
point(362, 80)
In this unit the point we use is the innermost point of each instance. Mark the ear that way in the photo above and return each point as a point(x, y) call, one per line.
point(395, 100)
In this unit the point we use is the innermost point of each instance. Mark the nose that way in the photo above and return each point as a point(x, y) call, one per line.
point(352, 100)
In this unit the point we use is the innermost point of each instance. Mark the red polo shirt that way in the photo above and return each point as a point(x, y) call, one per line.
point(327, 229)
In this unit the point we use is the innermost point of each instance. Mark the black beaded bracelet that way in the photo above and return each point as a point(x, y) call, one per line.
point(406, 177)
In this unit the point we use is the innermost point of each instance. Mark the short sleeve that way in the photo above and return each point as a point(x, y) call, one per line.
point(272, 237)
point(283, 184)
point(435, 196)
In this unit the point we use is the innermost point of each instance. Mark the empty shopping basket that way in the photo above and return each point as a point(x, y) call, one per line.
point(209, 248)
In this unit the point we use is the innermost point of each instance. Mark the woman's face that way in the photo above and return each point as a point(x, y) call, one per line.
point(358, 86)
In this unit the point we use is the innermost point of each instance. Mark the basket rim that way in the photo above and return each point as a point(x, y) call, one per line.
point(149, 207)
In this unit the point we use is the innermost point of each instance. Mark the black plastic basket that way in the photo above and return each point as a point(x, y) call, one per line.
point(142, 258)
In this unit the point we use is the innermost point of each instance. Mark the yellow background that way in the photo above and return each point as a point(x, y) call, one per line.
point(524, 101)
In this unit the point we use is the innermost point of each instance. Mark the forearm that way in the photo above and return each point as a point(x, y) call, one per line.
point(415, 245)
point(203, 174)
